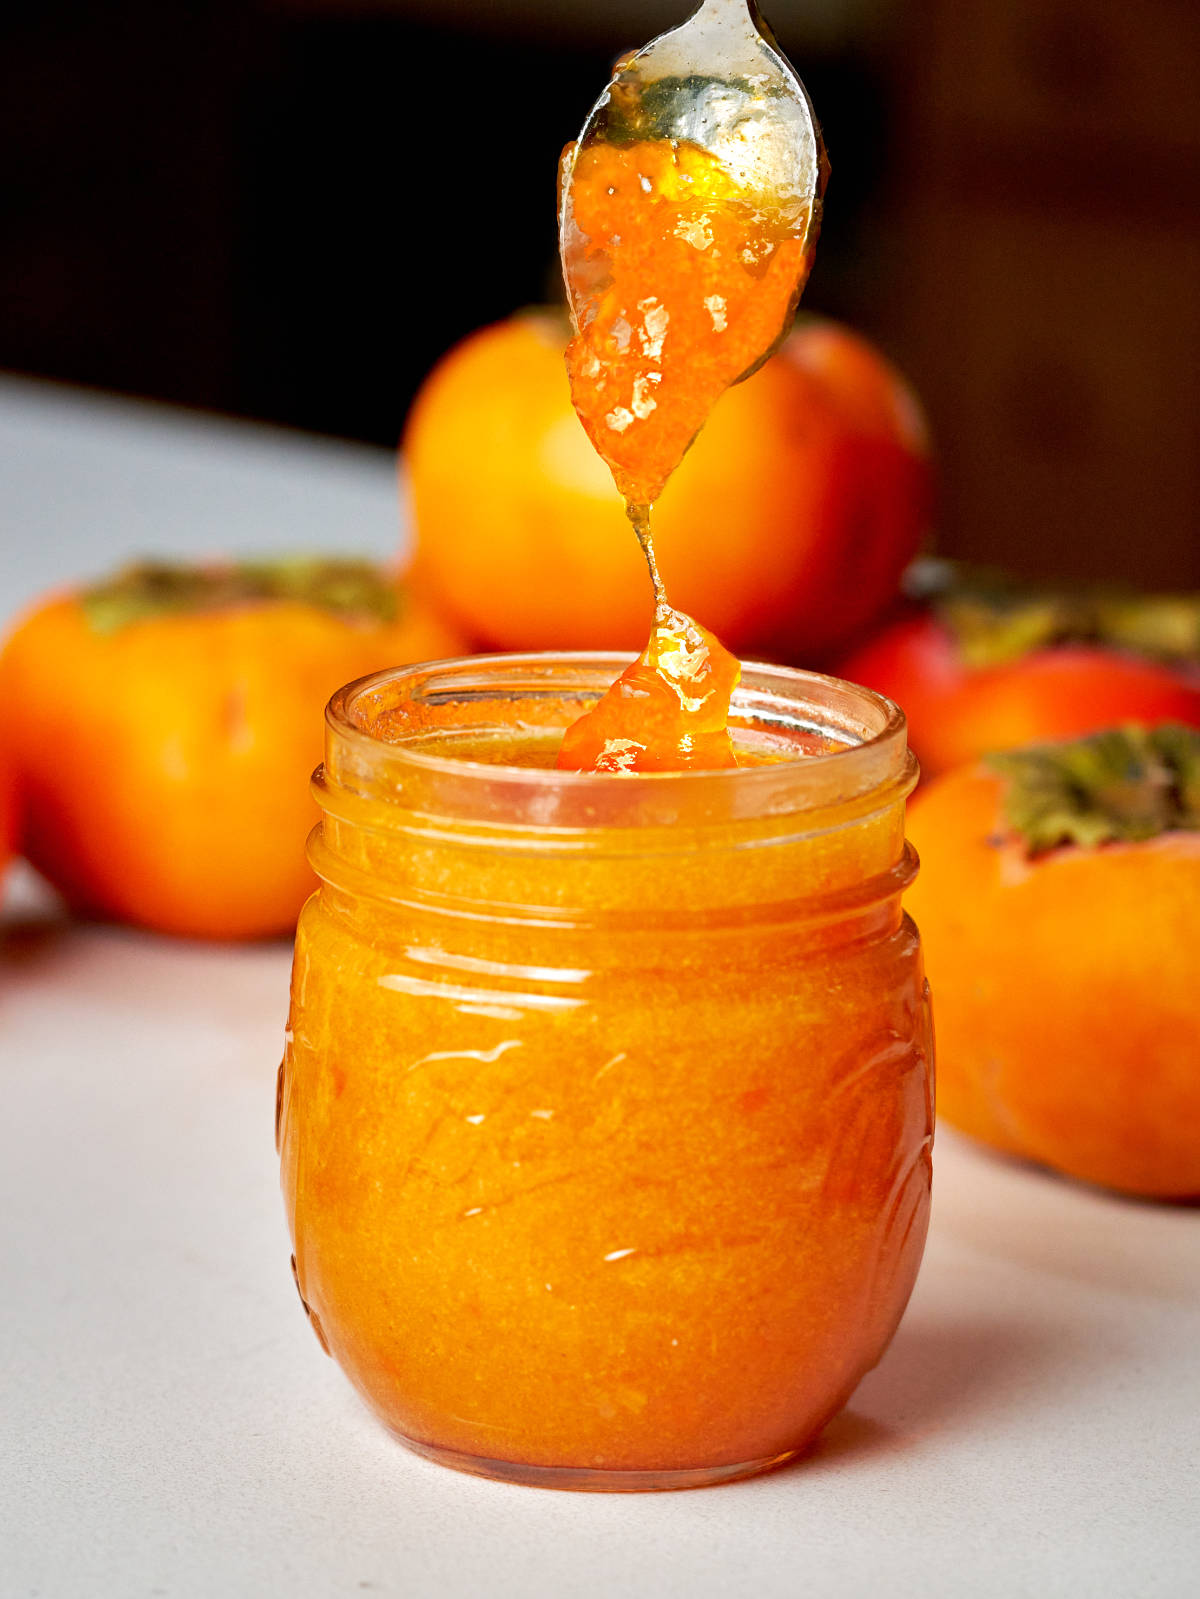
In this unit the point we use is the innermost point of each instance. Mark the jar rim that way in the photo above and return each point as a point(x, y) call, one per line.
point(870, 728)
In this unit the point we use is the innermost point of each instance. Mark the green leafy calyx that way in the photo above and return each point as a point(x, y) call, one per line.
point(1127, 784)
point(997, 618)
point(352, 589)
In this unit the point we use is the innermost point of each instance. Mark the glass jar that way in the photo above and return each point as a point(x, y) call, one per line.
point(606, 1110)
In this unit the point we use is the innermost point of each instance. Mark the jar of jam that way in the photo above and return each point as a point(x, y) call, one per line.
point(606, 1110)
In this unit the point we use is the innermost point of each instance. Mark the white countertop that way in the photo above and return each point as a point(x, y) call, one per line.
point(169, 1425)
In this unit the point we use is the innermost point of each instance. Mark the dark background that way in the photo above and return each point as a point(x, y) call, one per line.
point(288, 210)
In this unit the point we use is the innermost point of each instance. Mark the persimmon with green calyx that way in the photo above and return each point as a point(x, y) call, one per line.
point(1059, 905)
point(161, 727)
point(984, 662)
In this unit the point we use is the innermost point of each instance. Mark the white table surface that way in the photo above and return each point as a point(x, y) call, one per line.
point(168, 1423)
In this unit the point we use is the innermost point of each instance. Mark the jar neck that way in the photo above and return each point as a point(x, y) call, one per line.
point(410, 826)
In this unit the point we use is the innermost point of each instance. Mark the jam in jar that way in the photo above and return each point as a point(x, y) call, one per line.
point(606, 1111)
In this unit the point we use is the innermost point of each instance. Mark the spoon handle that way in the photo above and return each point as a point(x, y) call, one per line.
point(740, 13)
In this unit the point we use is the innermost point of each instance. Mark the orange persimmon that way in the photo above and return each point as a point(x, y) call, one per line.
point(7, 812)
point(989, 663)
point(162, 726)
point(786, 527)
point(1059, 905)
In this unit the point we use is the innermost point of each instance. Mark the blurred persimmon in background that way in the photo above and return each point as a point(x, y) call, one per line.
point(785, 530)
point(987, 662)
point(8, 820)
point(162, 728)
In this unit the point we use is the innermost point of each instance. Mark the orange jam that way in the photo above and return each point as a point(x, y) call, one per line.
point(605, 1114)
point(680, 281)
point(665, 713)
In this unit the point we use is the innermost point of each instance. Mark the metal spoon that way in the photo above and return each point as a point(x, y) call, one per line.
point(717, 81)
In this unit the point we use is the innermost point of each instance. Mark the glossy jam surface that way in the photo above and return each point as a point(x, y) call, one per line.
point(669, 711)
point(681, 283)
point(605, 1146)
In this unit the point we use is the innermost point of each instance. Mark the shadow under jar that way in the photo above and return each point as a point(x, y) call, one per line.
point(606, 1111)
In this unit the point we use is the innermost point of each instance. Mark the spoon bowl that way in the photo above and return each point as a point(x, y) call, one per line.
point(717, 82)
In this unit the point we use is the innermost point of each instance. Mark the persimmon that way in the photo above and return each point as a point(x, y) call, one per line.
point(162, 727)
point(786, 527)
point(989, 664)
point(7, 813)
point(1059, 904)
